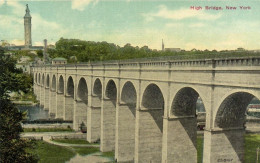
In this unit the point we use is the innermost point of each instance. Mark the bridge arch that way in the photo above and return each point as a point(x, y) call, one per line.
point(43, 80)
point(61, 84)
point(231, 112)
point(108, 117)
point(35, 77)
point(152, 97)
point(39, 77)
point(97, 88)
point(229, 121)
point(70, 87)
point(53, 83)
point(126, 114)
point(111, 91)
point(48, 81)
point(152, 112)
point(82, 91)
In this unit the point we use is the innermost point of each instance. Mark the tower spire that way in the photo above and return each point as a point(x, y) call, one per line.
point(27, 11)
point(162, 45)
point(27, 28)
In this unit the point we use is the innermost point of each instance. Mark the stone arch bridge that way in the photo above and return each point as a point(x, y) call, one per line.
point(146, 110)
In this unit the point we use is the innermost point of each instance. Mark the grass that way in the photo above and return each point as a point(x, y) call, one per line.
point(46, 129)
point(86, 150)
point(49, 153)
point(108, 154)
point(252, 141)
point(71, 141)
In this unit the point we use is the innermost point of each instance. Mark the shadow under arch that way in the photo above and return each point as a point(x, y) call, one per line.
point(129, 97)
point(231, 112)
point(108, 118)
point(61, 85)
point(151, 125)
point(53, 84)
point(230, 120)
point(125, 142)
point(48, 81)
point(39, 77)
point(97, 88)
point(111, 91)
point(70, 87)
point(43, 80)
point(184, 115)
point(82, 91)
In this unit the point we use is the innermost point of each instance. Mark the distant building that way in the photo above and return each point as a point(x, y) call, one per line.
point(173, 49)
point(59, 61)
point(170, 49)
point(27, 28)
point(240, 49)
point(27, 35)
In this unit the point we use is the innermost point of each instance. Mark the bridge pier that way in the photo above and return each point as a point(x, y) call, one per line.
point(80, 114)
point(46, 99)
point(148, 136)
point(179, 139)
point(60, 105)
point(108, 123)
point(42, 96)
point(68, 107)
point(53, 104)
point(93, 120)
point(224, 145)
point(125, 133)
point(36, 91)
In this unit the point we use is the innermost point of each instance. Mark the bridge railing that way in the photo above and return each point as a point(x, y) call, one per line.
point(166, 61)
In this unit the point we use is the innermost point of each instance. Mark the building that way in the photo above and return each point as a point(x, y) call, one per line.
point(27, 28)
point(59, 61)
point(170, 49)
point(27, 35)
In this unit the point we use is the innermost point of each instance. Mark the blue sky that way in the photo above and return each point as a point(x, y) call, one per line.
point(136, 22)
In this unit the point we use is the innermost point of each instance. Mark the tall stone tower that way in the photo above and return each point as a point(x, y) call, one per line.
point(162, 45)
point(27, 28)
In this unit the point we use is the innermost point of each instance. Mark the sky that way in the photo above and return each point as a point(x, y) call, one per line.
point(138, 22)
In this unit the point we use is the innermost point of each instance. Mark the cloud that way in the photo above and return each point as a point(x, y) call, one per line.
point(82, 4)
point(196, 25)
point(180, 14)
point(17, 42)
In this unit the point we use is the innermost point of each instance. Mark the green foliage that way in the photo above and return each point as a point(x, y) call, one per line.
point(86, 51)
point(252, 141)
point(86, 150)
point(71, 141)
point(13, 148)
point(52, 153)
point(47, 129)
point(40, 53)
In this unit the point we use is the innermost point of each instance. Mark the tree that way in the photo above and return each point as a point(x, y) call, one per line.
point(12, 148)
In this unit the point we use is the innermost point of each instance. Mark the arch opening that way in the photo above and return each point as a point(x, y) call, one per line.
point(48, 81)
point(129, 97)
point(232, 111)
point(187, 106)
point(153, 98)
point(97, 89)
point(61, 85)
point(111, 91)
point(151, 122)
point(70, 87)
point(39, 77)
point(83, 90)
point(53, 84)
point(35, 77)
point(43, 82)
